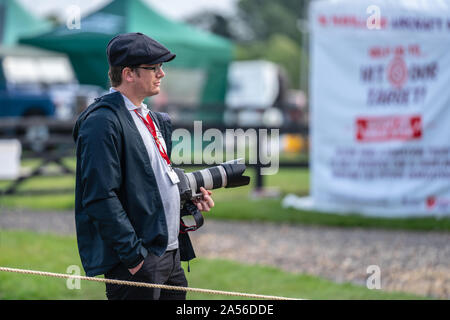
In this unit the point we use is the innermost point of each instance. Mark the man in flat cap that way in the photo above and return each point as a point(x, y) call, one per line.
point(127, 203)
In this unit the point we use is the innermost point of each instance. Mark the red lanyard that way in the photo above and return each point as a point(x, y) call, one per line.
point(151, 127)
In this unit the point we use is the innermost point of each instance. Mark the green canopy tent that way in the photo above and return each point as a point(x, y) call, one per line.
point(15, 22)
point(196, 50)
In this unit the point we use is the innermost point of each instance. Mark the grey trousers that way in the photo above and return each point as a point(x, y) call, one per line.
point(161, 270)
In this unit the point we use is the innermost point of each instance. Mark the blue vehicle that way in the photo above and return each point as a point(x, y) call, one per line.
point(23, 103)
point(28, 77)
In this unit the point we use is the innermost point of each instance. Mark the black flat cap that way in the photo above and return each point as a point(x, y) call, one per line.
point(130, 49)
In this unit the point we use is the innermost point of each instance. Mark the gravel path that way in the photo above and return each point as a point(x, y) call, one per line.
point(415, 262)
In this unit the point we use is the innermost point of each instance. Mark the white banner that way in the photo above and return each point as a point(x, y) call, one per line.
point(380, 107)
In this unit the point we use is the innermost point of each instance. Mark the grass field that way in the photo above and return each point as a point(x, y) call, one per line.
point(233, 204)
point(53, 253)
point(56, 253)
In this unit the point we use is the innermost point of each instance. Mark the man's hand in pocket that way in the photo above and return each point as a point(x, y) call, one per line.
point(137, 268)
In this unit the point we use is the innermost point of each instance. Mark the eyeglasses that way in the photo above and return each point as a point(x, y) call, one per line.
point(157, 68)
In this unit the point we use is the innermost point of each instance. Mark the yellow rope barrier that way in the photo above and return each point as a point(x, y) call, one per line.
point(144, 284)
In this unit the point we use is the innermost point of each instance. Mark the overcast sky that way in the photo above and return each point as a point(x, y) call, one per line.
point(175, 9)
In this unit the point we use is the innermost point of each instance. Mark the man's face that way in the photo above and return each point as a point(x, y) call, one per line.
point(147, 79)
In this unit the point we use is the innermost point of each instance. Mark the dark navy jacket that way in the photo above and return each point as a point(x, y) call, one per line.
point(119, 212)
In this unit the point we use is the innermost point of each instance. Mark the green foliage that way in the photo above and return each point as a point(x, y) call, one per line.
point(266, 17)
point(278, 48)
point(213, 22)
point(264, 29)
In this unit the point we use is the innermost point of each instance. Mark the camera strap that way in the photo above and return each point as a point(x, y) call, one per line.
point(190, 208)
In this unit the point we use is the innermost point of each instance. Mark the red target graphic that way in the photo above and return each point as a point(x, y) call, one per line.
point(397, 72)
point(323, 20)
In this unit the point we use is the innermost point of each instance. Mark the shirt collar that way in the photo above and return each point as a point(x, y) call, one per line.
point(130, 106)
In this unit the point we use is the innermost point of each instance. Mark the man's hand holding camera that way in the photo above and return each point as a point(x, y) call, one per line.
point(205, 202)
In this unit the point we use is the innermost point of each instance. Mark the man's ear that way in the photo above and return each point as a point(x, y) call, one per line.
point(127, 75)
